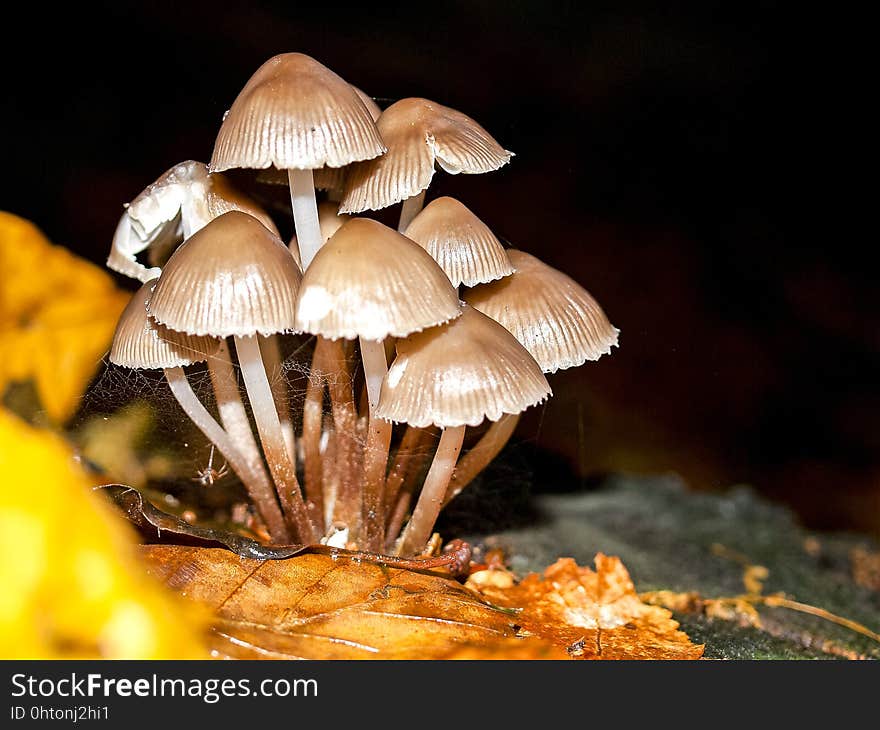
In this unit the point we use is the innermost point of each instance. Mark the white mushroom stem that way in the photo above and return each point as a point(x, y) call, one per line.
point(233, 415)
point(417, 532)
point(269, 428)
point(271, 353)
point(481, 454)
point(376, 451)
point(312, 420)
point(305, 214)
point(410, 209)
point(256, 482)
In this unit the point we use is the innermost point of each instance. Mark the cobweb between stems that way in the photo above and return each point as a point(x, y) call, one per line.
point(129, 428)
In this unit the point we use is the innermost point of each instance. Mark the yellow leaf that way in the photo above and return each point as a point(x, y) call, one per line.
point(57, 316)
point(70, 583)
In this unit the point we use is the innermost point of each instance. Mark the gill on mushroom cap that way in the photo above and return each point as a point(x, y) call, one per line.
point(459, 374)
point(232, 278)
point(553, 316)
point(177, 204)
point(419, 133)
point(370, 281)
point(295, 113)
point(460, 242)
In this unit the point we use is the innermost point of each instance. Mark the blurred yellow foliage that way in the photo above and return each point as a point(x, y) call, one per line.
point(57, 316)
point(70, 583)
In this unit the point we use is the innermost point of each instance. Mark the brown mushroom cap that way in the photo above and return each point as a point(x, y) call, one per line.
point(326, 178)
point(460, 373)
point(139, 342)
point(370, 281)
point(460, 242)
point(233, 277)
point(295, 113)
point(553, 316)
point(419, 133)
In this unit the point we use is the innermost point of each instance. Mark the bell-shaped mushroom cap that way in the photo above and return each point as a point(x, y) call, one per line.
point(460, 373)
point(295, 113)
point(233, 277)
point(325, 178)
point(370, 281)
point(553, 316)
point(419, 133)
point(460, 242)
point(139, 342)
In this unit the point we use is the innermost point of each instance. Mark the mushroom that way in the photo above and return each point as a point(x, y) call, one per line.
point(180, 202)
point(139, 342)
point(370, 282)
point(454, 376)
point(297, 115)
point(418, 133)
point(234, 278)
point(329, 221)
point(461, 243)
point(555, 319)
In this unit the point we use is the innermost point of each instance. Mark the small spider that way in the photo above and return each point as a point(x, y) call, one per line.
point(207, 476)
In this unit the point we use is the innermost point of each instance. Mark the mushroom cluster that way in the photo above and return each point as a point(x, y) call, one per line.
point(432, 328)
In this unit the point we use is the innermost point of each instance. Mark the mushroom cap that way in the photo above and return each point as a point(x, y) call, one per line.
point(419, 133)
point(329, 221)
point(295, 113)
point(461, 243)
point(370, 281)
point(553, 316)
point(233, 277)
point(460, 373)
point(325, 178)
point(139, 342)
point(189, 181)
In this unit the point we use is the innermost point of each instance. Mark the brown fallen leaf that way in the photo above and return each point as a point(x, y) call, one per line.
point(593, 614)
point(314, 607)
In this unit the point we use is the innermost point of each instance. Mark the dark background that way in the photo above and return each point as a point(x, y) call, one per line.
point(674, 161)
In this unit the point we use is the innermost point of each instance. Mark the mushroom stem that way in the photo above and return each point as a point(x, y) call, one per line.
point(256, 482)
point(412, 439)
point(482, 453)
point(401, 481)
point(269, 428)
point(233, 416)
point(417, 532)
point(313, 416)
point(271, 352)
point(378, 444)
point(305, 214)
point(346, 461)
point(410, 209)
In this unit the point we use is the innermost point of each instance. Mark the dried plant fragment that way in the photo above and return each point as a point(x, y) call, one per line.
point(593, 614)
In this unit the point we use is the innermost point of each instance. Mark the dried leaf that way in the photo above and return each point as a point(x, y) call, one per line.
point(593, 614)
point(57, 315)
point(71, 585)
point(314, 607)
point(866, 568)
